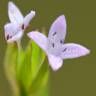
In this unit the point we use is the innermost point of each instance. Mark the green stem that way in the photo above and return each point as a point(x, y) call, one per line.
point(23, 91)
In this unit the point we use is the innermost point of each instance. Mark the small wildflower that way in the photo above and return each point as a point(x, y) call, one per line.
point(18, 23)
point(54, 45)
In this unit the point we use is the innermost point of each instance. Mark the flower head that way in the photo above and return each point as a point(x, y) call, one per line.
point(18, 23)
point(54, 46)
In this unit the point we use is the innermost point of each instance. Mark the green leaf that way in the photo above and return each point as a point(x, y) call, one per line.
point(20, 59)
point(23, 91)
point(38, 57)
point(25, 73)
point(40, 83)
point(10, 62)
point(32, 62)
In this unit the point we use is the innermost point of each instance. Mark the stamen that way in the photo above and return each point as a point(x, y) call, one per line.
point(23, 26)
point(8, 37)
point(61, 41)
point(53, 45)
point(64, 49)
point(54, 33)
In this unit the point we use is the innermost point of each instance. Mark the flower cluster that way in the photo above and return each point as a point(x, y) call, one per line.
point(53, 45)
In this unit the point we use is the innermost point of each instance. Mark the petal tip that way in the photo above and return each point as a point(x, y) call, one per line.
point(61, 17)
point(30, 35)
point(10, 3)
point(87, 51)
point(55, 62)
point(33, 12)
point(56, 68)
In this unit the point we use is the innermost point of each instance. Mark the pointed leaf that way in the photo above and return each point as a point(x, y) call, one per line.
point(10, 62)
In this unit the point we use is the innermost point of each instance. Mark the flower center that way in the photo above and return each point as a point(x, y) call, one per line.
point(22, 26)
point(8, 37)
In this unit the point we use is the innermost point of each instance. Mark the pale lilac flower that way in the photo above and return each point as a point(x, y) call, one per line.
point(54, 45)
point(18, 23)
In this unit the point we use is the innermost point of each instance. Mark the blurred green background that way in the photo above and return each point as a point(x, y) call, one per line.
point(77, 77)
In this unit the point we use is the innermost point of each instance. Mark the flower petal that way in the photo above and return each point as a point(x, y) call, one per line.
point(14, 13)
point(16, 37)
point(39, 38)
point(55, 62)
point(28, 18)
point(73, 50)
point(57, 31)
point(12, 32)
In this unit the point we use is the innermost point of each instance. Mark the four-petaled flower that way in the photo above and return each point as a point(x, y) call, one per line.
point(18, 23)
point(54, 45)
